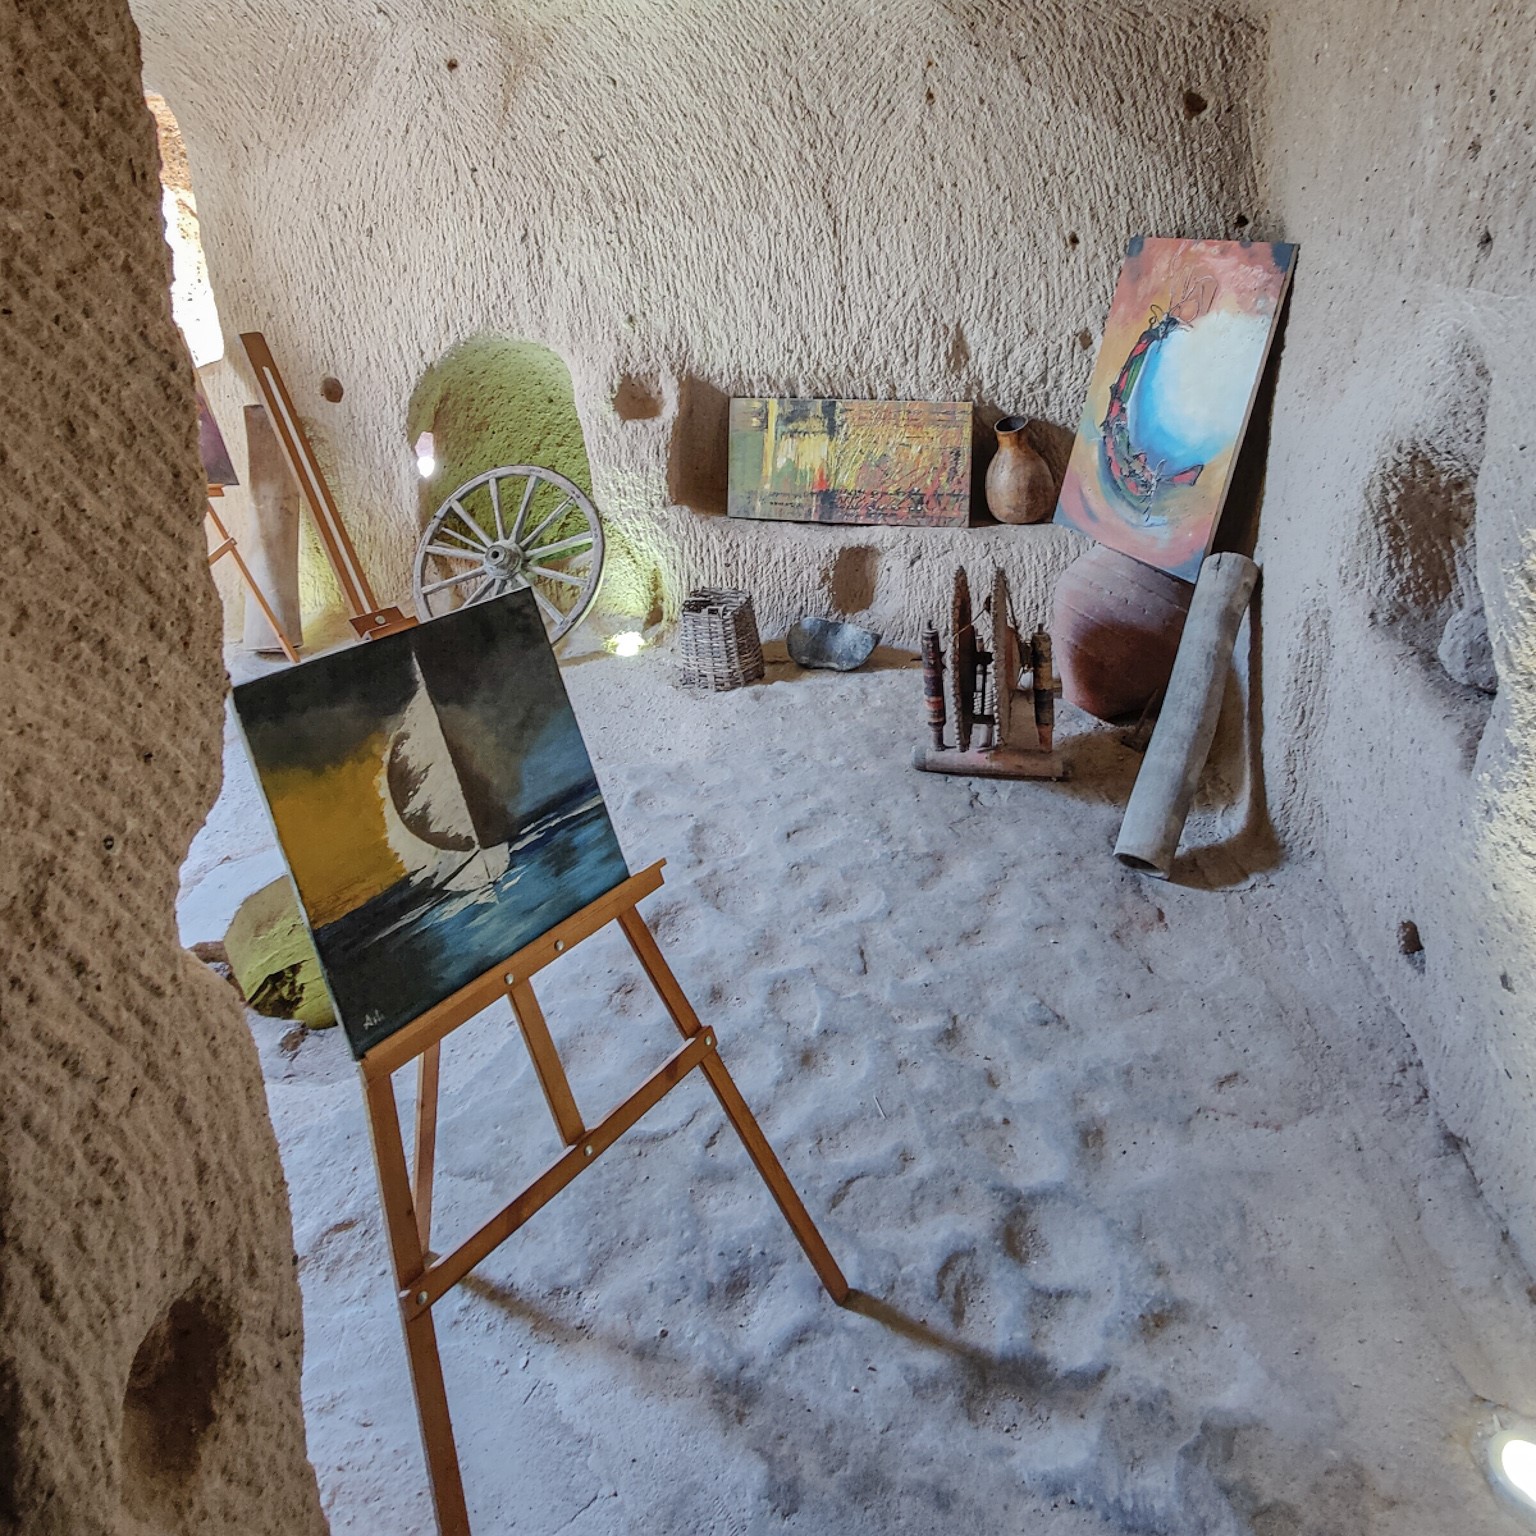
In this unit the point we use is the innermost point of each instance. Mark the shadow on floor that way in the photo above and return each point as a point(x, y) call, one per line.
point(1024, 1375)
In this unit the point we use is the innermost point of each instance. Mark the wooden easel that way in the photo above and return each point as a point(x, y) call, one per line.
point(368, 619)
point(226, 545)
point(423, 1278)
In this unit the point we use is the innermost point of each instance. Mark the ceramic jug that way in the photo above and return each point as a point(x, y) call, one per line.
point(1020, 486)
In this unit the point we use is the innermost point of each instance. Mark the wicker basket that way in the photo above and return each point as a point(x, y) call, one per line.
point(719, 640)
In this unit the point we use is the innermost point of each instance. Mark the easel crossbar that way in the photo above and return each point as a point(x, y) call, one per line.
point(405, 1045)
point(440, 1277)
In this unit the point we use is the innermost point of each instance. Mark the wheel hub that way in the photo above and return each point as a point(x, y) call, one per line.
point(505, 560)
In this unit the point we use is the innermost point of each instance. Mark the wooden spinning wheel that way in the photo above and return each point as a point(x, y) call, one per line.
point(1004, 699)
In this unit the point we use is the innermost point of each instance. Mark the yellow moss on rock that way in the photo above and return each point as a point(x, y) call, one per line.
point(273, 958)
point(494, 401)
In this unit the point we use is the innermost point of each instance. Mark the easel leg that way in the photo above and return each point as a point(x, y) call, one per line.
point(425, 1151)
point(436, 1427)
point(546, 1063)
point(420, 1335)
point(772, 1170)
point(743, 1121)
point(267, 611)
point(232, 549)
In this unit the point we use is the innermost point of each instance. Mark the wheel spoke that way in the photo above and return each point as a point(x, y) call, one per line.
point(549, 574)
point(551, 613)
point(471, 524)
point(531, 542)
point(445, 532)
point(522, 507)
point(549, 551)
point(561, 547)
point(453, 581)
point(501, 531)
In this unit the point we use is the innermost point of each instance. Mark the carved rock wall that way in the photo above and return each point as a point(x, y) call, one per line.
point(1399, 536)
point(930, 199)
point(922, 199)
point(149, 1370)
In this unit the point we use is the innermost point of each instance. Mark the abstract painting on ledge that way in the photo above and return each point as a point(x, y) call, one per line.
point(435, 804)
point(851, 461)
point(1184, 348)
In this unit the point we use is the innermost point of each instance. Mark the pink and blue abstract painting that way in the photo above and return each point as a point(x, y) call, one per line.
point(1188, 333)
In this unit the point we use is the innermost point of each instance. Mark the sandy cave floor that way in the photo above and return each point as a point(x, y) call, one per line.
point(1159, 1230)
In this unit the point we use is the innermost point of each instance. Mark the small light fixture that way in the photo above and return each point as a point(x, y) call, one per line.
point(1509, 1458)
point(630, 643)
point(426, 456)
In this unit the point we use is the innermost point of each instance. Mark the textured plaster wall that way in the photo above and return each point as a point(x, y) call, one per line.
point(149, 1316)
point(1399, 520)
point(687, 202)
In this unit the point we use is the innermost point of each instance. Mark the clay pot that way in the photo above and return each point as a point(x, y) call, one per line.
point(1116, 625)
point(1020, 485)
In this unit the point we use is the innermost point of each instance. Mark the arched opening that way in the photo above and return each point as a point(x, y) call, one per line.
point(494, 401)
point(192, 301)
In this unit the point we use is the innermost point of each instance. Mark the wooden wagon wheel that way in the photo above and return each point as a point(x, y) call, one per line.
point(509, 528)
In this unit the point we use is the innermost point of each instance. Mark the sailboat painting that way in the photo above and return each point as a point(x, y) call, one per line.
point(435, 804)
point(1184, 348)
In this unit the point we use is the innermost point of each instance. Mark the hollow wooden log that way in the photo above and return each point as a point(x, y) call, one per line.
point(1170, 772)
point(271, 545)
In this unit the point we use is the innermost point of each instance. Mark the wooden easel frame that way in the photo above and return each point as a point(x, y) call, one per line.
point(423, 1278)
point(368, 619)
point(226, 546)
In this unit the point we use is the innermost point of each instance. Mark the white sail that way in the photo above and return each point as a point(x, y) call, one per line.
point(426, 817)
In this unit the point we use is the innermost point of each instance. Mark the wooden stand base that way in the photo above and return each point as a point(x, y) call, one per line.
point(991, 763)
point(381, 622)
point(423, 1279)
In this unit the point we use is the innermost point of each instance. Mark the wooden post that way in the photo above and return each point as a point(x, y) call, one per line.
point(272, 541)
